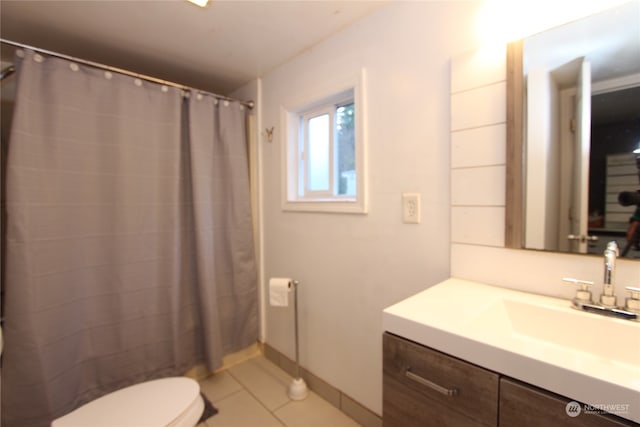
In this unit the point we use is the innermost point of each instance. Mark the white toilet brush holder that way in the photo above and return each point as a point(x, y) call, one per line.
point(298, 388)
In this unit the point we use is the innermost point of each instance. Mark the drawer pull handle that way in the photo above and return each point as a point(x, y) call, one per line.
point(430, 384)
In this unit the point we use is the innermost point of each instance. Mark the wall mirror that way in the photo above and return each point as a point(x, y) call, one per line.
point(573, 124)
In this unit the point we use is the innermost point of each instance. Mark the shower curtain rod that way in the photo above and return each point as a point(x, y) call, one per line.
point(248, 104)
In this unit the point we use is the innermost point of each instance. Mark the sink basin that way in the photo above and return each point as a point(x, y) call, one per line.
point(537, 339)
point(562, 329)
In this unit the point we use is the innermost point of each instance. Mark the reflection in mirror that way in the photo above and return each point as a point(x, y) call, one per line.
point(580, 126)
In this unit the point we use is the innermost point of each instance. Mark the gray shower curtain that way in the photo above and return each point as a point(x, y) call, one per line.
point(129, 249)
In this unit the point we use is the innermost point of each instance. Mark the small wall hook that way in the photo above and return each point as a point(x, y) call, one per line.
point(269, 132)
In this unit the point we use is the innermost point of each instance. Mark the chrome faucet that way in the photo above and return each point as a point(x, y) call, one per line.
point(608, 299)
point(610, 255)
point(607, 306)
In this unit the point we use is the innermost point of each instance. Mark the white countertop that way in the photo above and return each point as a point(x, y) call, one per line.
point(540, 340)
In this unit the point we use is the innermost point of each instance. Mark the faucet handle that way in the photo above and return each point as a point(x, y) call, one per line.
point(583, 293)
point(633, 301)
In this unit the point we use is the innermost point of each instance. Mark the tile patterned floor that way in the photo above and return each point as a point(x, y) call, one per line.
point(254, 394)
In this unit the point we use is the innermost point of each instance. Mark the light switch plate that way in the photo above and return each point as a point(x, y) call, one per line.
point(411, 208)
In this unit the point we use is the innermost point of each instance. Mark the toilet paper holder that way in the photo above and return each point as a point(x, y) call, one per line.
point(298, 388)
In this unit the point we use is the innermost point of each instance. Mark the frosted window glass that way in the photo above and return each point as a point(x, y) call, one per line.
point(319, 153)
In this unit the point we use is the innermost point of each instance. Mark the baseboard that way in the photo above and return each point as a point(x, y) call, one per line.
point(331, 394)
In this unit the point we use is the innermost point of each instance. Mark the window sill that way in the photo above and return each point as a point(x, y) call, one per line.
point(350, 206)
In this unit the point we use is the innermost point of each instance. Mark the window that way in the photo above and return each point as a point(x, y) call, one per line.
point(327, 154)
point(324, 155)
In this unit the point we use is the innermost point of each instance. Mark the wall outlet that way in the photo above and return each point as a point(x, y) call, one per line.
point(411, 208)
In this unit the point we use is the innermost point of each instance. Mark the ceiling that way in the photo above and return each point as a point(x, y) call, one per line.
point(218, 48)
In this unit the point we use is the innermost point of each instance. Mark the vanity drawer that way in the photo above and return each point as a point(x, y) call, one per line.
point(525, 405)
point(434, 388)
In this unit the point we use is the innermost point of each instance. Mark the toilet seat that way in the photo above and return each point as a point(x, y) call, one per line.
point(167, 402)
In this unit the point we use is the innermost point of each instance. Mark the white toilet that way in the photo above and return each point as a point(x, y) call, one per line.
point(167, 402)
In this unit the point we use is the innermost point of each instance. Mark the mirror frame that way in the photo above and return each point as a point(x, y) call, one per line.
point(514, 223)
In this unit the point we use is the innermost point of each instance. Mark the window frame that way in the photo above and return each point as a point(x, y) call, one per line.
point(294, 117)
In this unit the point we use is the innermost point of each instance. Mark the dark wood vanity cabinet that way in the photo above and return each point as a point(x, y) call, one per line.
point(424, 387)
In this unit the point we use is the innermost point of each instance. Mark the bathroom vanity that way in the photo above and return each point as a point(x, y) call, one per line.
point(467, 354)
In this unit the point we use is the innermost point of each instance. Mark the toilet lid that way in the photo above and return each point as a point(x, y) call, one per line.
point(152, 403)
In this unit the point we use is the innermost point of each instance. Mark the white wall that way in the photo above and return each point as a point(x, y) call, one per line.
point(477, 251)
point(352, 266)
